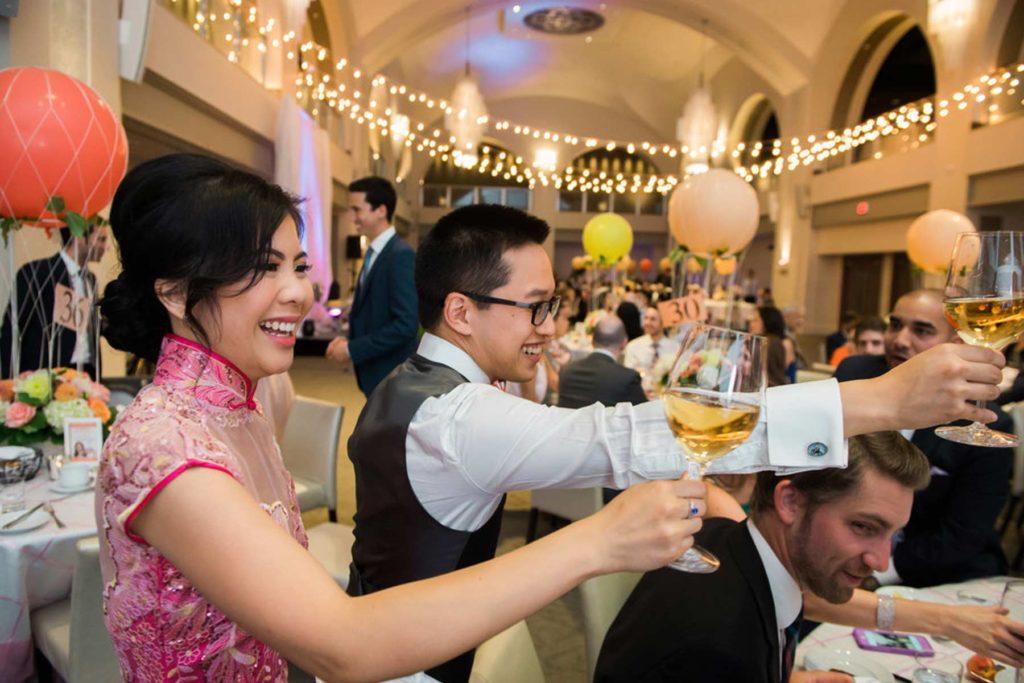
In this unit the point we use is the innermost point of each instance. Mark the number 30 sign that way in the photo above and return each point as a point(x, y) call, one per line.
point(684, 309)
point(69, 310)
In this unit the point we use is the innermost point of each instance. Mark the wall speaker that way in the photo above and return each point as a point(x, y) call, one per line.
point(353, 247)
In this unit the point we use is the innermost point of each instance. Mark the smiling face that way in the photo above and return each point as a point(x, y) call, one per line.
point(366, 219)
point(916, 324)
point(652, 323)
point(502, 339)
point(834, 547)
point(254, 328)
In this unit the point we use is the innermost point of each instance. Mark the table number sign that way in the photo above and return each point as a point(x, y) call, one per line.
point(69, 310)
point(688, 308)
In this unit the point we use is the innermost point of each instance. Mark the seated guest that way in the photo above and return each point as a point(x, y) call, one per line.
point(599, 378)
point(822, 532)
point(951, 536)
point(869, 338)
point(629, 314)
point(45, 343)
point(645, 352)
point(983, 629)
point(846, 327)
point(781, 350)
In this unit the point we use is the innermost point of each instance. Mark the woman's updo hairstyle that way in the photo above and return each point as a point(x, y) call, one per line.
point(188, 219)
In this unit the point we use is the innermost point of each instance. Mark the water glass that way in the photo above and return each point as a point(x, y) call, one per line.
point(938, 670)
point(12, 496)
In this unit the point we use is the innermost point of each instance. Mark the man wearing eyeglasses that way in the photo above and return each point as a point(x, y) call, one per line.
point(438, 445)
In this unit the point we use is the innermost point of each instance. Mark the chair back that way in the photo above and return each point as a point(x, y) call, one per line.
point(508, 657)
point(92, 652)
point(571, 504)
point(310, 443)
point(602, 597)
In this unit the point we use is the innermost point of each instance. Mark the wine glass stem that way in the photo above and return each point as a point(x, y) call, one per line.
point(977, 426)
point(695, 471)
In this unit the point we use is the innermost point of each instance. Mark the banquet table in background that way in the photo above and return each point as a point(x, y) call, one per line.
point(836, 637)
point(35, 570)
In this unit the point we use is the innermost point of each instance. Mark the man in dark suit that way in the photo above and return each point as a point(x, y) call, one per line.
point(598, 378)
point(951, 536)
point(821, 532)
point(383, 320)
point(44, 342)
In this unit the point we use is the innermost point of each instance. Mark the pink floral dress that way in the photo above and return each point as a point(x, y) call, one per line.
point(199, 412)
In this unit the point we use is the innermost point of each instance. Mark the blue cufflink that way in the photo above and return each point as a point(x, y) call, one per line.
point(817, 449)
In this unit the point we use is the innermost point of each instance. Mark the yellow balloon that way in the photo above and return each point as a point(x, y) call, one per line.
point(607, 236)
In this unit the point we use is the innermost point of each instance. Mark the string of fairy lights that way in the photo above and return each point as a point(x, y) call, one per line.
point(371, 101)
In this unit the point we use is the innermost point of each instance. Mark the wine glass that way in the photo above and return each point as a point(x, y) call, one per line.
point(985, 305)
point(712, 402)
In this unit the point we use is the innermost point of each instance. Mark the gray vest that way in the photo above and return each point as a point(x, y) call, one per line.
point(396, 540)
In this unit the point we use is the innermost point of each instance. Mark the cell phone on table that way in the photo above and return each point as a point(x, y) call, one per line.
point(893, 643)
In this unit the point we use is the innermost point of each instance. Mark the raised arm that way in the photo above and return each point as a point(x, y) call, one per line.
point(210, 528)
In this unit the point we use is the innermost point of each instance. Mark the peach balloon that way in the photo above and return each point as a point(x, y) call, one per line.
point(931, 236)
point(713, 213)
point(725, 265)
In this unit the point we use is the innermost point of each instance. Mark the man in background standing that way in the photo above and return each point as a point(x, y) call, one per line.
point(45, 342)
point(383, 321)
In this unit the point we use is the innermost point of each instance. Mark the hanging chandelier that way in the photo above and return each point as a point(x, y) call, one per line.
point(951, 21)
point(466, 121)
point(696, 128)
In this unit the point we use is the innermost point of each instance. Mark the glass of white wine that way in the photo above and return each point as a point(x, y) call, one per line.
point(713, 401)
point(985, 305)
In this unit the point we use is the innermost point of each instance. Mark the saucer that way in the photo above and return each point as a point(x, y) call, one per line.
point(56, 487)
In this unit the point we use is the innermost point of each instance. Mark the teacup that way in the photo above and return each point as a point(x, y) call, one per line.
point(74, 475)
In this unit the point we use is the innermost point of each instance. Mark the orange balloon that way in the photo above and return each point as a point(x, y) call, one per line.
point(646, 265)
point(58, 138)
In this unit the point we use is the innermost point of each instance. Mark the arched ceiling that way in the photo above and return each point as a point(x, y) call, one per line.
point(629, 81)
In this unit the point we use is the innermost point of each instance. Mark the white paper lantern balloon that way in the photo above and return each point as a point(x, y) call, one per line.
point(931, 236)
point(714, 212)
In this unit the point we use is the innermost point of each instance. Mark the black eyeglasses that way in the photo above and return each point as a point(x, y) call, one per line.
point(539, 310)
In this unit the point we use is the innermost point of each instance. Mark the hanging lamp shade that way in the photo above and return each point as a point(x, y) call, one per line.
point(467, 120)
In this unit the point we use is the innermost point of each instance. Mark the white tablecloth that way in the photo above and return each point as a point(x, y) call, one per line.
point(35, 570)
point(841, 637)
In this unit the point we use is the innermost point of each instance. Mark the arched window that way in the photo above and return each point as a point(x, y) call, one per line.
point(447, 185)
point(619, 164)
point(893, 67)
point(756, 122)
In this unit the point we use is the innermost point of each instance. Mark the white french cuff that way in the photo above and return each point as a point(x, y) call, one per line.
point(806, 426)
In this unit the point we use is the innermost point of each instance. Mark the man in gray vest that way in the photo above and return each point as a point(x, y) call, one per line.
point(438, 445)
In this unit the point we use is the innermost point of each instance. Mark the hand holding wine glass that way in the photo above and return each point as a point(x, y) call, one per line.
point(712, 402)
point(985, 305)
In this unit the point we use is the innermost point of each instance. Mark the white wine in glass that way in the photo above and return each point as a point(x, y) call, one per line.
point(985, 305)
point(712, 403)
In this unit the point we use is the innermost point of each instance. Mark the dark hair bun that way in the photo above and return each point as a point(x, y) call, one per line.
point(133, 319)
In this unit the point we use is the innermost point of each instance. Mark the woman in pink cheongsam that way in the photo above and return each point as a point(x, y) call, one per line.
point(203, 550)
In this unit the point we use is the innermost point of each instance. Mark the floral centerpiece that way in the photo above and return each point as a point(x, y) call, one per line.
point(33, 406)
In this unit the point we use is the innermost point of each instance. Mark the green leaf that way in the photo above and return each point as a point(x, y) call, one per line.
point(25, 398)
point(76, 224)
point(55, 205)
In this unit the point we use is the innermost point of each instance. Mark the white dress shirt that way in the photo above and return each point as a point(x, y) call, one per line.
point(376, 246)
point(82, 353)
point(786, 594)
point(467, 448)
point(640, 352)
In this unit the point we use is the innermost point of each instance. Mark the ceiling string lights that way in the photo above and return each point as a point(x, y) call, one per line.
point(341, 90)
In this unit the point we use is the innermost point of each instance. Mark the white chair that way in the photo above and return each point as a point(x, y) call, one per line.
point(508, 657)
point(602, 597)
point(71, 634)
point(569, 504)
point(310, 452)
